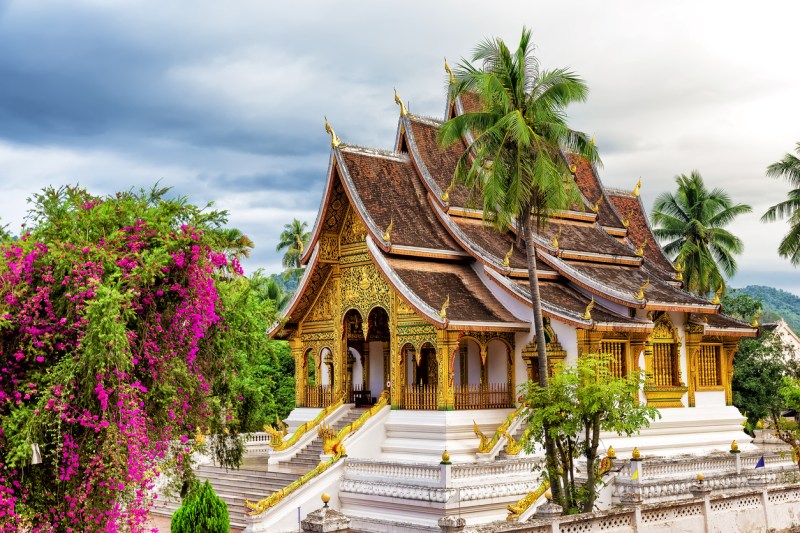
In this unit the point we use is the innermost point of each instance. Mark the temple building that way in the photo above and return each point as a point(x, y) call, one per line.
point(409, 294)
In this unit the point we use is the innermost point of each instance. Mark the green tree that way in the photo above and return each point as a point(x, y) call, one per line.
point(582, 400)
point(692, 221)
point(201, 512)
point(293, 239)
point(759, 368)
point(742, 306)
point(788, 168)
point(789, 430)
point(515, 164)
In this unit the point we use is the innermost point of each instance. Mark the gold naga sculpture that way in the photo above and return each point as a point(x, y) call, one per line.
point(717, 294)
point(485, 441)
point(447, 191)
point(596, 206)
point(507, 258)
point(587, 314)
point(640, 294)
point(387, 235)
point(554, 243)
point(637, 187)
point(335, 141)
point(398, 101)
point(276, 433)
point(449, 72)
point(640, 249)
point(445, 305)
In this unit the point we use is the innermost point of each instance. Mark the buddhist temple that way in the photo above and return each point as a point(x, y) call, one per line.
point(411, 302)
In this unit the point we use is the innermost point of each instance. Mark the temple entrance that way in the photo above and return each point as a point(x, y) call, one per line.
point(377, 368)
point(356, 374)
point(319, 388)
point(422, 376)
point(481, 375)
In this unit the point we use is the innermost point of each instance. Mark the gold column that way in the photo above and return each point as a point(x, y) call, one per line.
point(637, 345)
point(730, 346)
point(300, 370)
point(650, 378)
point(694, 336)
point(446, 344)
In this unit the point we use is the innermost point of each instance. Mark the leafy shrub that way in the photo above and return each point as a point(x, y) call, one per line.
point(201, 512)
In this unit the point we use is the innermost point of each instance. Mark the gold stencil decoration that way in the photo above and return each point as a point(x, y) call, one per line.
point(363, 288)
point(353, 230)
point(323, 307)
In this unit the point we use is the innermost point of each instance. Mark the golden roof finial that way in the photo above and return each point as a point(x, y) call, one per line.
point(445, 305)
point(573, 169)
point(755, 319)
point(507, 258)
point(587, 315)
point(638, 186)
point(596, 206)
point(555, 238)
point(446, 193)
point(335, 141)
point(627, 221)
point(398, 101)
point(449, 71)
point(387, 235)
point(640, 294)
point(679, 267)
point(640, 249)
point(611, 453)
point(592, 141)
point(717, 294)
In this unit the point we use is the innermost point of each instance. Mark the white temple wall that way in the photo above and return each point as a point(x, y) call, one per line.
point(473, 363)
point(714, 398)
point(497, 361)
point(324, 371)
point(375, 383)
point(358, 370)
point(677, 320)
point(568, 337)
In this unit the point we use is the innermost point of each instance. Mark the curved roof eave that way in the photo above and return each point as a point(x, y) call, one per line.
point(301, 287)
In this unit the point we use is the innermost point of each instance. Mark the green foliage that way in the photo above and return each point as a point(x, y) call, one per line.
point(263, 380)
point(293, 239)
point(738, 304)
point(201, 512)
point(777, 304)
point(582, 400)
point(759, 368)
point(789, 169)
point(692, 222)
point(789, 430)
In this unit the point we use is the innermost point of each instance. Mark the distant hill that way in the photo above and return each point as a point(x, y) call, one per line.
point(776, 303)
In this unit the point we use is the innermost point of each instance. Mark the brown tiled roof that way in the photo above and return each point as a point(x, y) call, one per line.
point(440, 162)
point(584, 238)
point(629, 279)
point(390, 190)
point(724, 321)
point(591, 188)
point(471, 103)
point(433, 282)
point(495, 242)
point(639, 229)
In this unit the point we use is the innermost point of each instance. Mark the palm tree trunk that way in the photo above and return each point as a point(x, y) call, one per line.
point(541, 350)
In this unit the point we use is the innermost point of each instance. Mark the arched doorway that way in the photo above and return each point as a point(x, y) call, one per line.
point(422, 376)
point(355, 376)
point(376, 371)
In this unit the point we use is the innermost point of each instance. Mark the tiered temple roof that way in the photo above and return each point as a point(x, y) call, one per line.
point(428, 239)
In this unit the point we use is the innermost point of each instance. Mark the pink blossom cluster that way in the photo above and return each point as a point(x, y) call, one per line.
point(105, 359)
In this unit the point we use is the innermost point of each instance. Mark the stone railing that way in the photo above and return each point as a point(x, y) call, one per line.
point(472, 473)
point(400, 473)
point(488, 448)
point(257, 444)
point(683, 466)
point(752, 509)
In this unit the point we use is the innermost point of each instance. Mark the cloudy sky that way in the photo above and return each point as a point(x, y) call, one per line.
point(224, 101)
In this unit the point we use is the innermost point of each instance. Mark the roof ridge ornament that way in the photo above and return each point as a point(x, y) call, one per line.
point(637, 187)
point(450, 72)
point(587, 314)
point(717, 294)
point(398, 101)
point(596, 206)
point(387, 235)
point(627, 221)
point(754, 323)
point(679, 268)
point(507, 258)
point(640, 249)
point(335, 140)
point(446, 193)
point(640, 295)
point(556, 236)
point(445, 305)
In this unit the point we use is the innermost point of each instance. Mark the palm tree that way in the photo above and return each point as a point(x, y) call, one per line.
point(515, 164)
point(293, 239)
point(692, 222)
point(789, 168)
point(234, 243)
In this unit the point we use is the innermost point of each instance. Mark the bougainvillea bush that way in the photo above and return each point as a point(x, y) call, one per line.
point(109, 355)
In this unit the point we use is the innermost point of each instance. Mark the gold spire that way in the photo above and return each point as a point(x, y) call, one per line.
point(596, 206)
point(755, 319)
point(587, 315)
point(640, 249)
point(507, 258)
point(445, 305)
point(398, 101)
point(335, 141)
point(555, 238)
point(638, 186)
point(446, 193)
point(449, 71)
point(640, 294)
point(387, 235)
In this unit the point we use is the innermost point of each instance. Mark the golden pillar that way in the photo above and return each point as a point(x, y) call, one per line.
point(730, 346)
point(300, 369)
point(637, 346)
point(694, 336)
point(446, 344)
point(589, 341)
